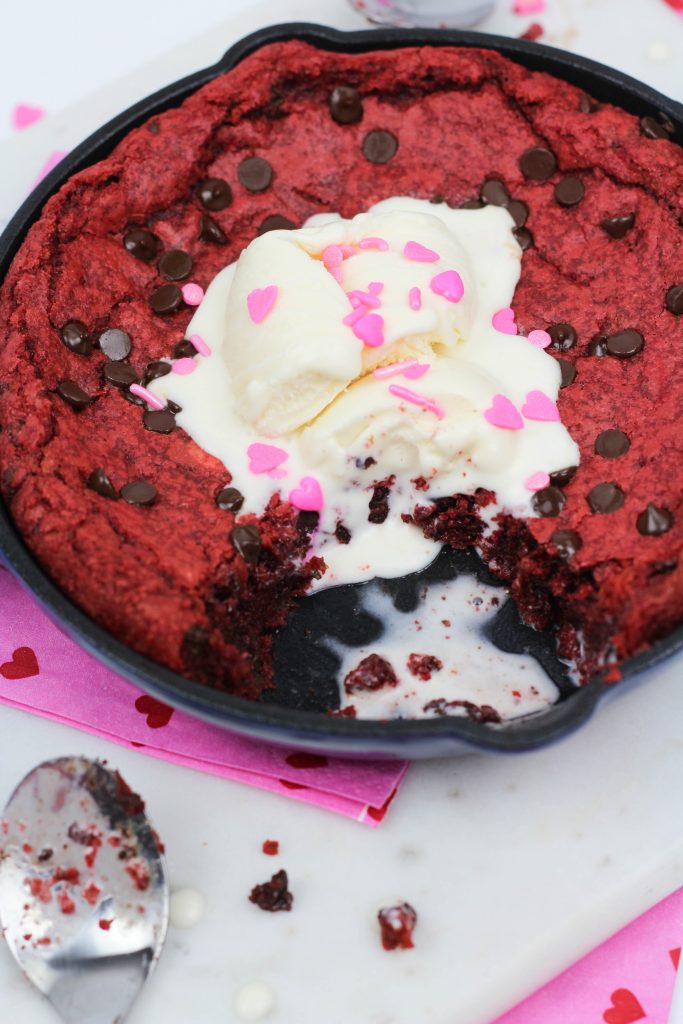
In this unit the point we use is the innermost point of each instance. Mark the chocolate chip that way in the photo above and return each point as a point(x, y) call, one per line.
point(604, 498)
point(587, 105)
point(519, 212)
point(616, 227)
point(625, 344)
point(538, 163)
point(184, 349)
point(524, 238)
point(673, 300)
point(99, 482)
point(567, 542)
point(74, 395)
point(175, 264)
point(494, 193)
point(121, 375)
point(306, 522)
point(661, 568)
point(469, 204)
point(255, 173)
point(379, 146)
point(133, 399)
point(342, 533)
point(659, 127)
point(246, 540)
point(563, 336)
point(548, 502)
point(74, 334)
point(141, 243)
point(569, 191)
point(229, 499)
point(166, 299)
point(215, 194)
point(611, 444)
point(173, 407)
point(654, 521)
point(561, 477)
point(568, 371)
point(346, 106)
point(139, 493)
point(597, 346)
point(161, 421)
point(115, 344)
point(276, 222)
point(154, 370)
point(210, 231)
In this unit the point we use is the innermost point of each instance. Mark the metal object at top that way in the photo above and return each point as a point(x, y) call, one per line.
point(83, 892)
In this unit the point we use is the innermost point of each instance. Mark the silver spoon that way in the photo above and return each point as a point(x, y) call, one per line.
point(83, 892)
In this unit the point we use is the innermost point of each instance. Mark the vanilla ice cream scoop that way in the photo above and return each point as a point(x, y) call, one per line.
point(348, 353)
point(350, 295)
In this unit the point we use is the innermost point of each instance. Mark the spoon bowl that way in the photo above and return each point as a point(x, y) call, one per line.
point(83, 890)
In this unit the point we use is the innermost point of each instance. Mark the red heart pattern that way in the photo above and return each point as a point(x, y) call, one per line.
point(625, 1008)
point(158, 713)
point(675, 955)
point(23, 664)
point(302, 759)
point(377, 813)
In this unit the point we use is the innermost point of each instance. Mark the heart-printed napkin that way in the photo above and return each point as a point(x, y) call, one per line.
point(629, 978)
point(43, 671)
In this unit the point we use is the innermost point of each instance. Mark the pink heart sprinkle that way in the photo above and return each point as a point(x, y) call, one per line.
point(184, 366)
point(529, 6)
point(261, 301)
point(502, 413)
point(200, 345)
point(537, 481)
point(265, 457)
point(192, 294)
point(373, 243)
point(370, 329)
point(539, 406)
point(419, 253)
point(25, 114)
point(448, 284)
point(415, 298)
point(416, 370)
point(541, 339)
point(504, 321)
point(308, 496)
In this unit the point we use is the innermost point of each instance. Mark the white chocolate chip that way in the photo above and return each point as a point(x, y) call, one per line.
point(186, 908)
point(254, 1001)
point(658, 52)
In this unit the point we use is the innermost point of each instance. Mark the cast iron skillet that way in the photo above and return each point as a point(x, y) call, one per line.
point(298, 716)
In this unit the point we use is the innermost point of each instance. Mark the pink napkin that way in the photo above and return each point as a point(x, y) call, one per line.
point(629, 978)
point(43, 671)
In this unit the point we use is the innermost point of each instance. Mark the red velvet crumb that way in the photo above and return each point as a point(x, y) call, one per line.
point(273, 895)
point(397, 925)
point(271, 847)
point(105, 924)
point(477, 712)
point(534, 31)
point(372, 673)
point(422, 665)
